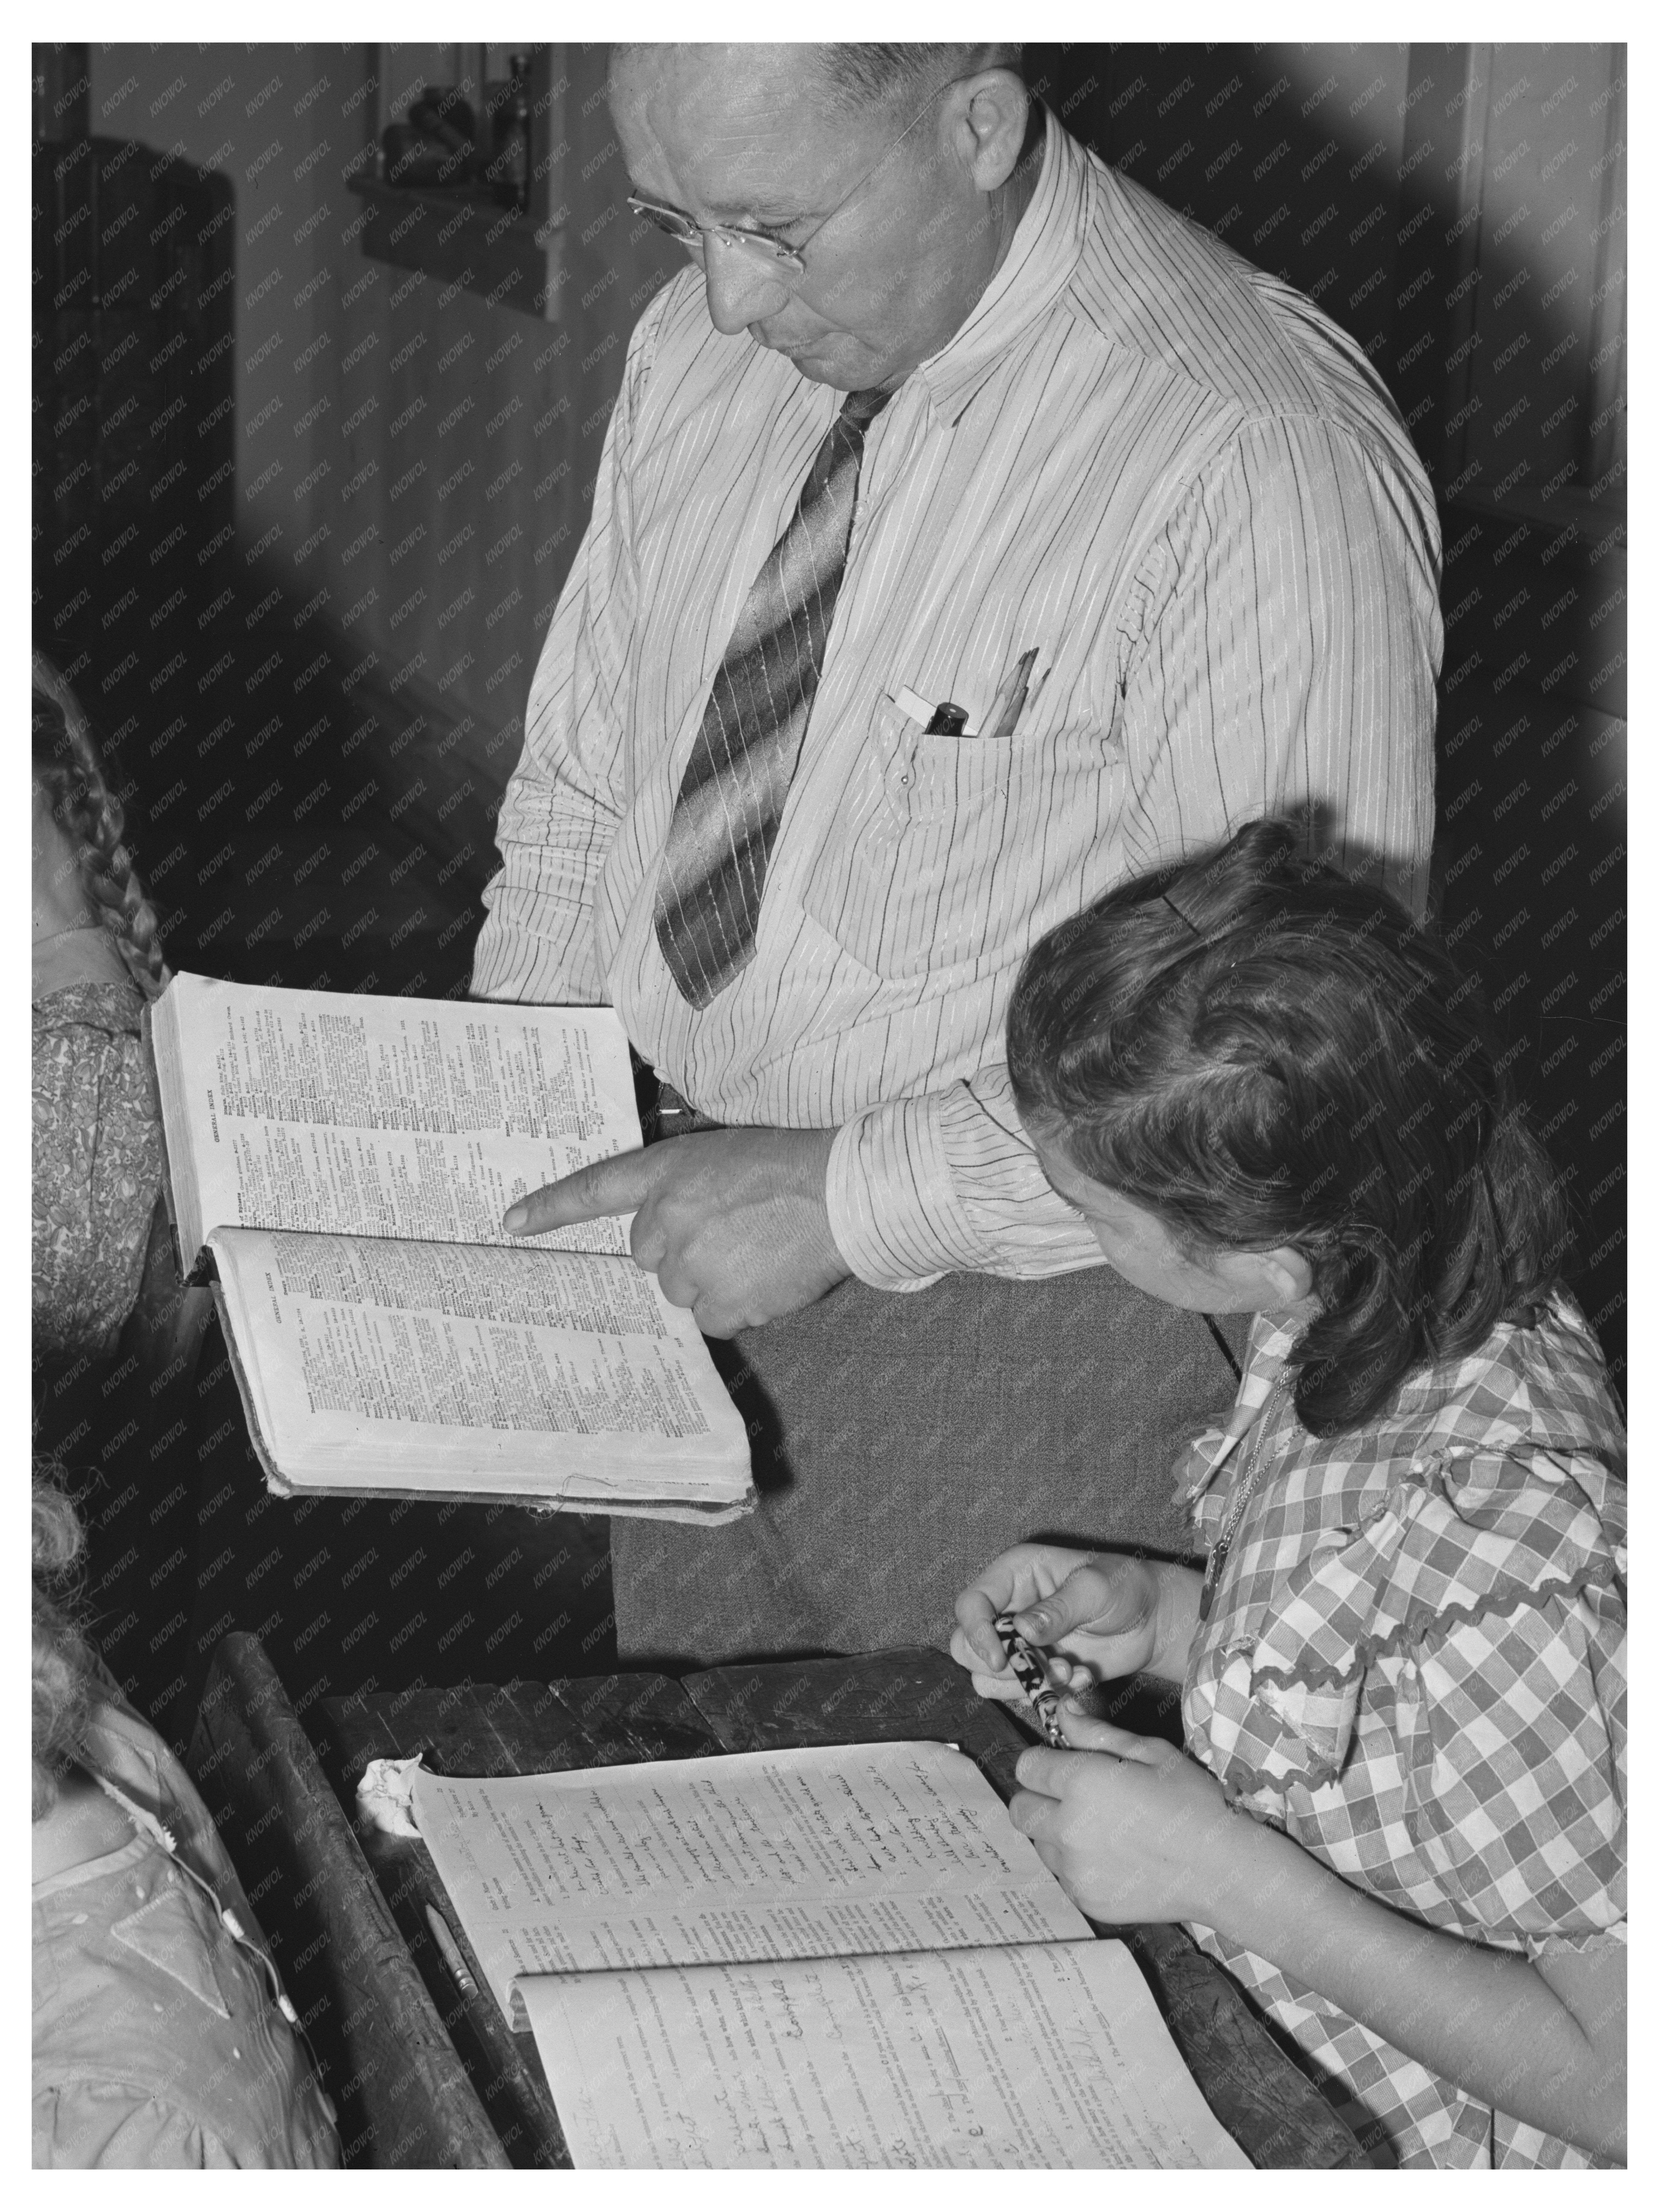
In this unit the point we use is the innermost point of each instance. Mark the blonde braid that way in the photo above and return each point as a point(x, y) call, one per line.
point(67, 767)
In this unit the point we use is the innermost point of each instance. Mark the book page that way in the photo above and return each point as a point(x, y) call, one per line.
point(385, 1117)
point(1041, 2056)
point(365, 1353)
point(760, 1855)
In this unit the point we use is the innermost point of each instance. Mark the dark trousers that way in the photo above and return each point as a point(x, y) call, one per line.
point(901, 1440)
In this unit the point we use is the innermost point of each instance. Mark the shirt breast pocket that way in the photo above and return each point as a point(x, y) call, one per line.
point(954, 853)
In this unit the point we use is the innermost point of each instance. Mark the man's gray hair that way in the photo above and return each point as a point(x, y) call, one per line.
point(860, 78)
point(863, 77)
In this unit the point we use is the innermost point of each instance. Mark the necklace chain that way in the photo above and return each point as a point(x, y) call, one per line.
point(1241, 1496)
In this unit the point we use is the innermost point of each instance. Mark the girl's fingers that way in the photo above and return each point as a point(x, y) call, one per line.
point(1044, 1772)
point(1087, 1734)
point(1001, 1689)
point(1050, 1772)
point(978, 1650)
point(1105, 1597)
point(1032, 1813)
point(974, 1638)
point(1083, 1734)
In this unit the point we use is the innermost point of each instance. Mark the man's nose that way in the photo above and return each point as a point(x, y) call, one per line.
point(741, 290)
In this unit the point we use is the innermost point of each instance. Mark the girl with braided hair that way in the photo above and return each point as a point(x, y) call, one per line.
point(97, 957)
point(91, 887)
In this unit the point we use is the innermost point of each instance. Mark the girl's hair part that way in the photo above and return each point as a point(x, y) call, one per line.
point(1267, 1053)
point(65, 1686)
point(66, 765)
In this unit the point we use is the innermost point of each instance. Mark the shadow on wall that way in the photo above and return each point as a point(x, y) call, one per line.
point(1460, 211)
point(300, 514)
point(267, 779)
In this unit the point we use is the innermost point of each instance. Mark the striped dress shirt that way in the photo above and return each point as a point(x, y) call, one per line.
point(1163, 472)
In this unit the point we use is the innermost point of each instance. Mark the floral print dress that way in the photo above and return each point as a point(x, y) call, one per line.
point(97, 1168)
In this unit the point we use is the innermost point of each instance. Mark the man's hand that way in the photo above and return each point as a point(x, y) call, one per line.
point(733, 1223)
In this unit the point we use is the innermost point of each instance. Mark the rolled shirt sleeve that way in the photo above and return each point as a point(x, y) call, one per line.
point(948, 1183)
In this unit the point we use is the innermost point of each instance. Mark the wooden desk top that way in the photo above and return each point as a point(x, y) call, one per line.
point(425, 2076)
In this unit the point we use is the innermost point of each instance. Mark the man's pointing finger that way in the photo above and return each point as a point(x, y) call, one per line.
point(620, 1185)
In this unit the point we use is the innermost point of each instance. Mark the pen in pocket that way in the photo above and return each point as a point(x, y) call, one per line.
point(1010, 703)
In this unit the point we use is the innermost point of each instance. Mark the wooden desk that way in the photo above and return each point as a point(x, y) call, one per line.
point(425, 2077)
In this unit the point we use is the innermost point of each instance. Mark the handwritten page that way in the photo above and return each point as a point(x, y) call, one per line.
point(1041, 2056)
point(822, 1853)
point(387, 1117)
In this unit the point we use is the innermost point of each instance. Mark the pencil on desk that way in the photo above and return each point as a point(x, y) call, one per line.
point(450, 1951)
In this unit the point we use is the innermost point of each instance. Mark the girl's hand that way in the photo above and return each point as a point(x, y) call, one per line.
point(1097, 1615)
point(1142, 1832)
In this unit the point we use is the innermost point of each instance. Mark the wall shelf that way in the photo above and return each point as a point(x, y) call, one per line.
point(464, 238)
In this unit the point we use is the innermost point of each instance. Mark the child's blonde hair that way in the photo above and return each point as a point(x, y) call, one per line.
point(66, 765)
point(63, 1680)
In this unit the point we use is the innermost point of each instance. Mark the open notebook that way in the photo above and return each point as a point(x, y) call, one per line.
point(836, 1957)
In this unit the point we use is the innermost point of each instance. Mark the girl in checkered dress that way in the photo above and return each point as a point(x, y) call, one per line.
point(1398, 1819)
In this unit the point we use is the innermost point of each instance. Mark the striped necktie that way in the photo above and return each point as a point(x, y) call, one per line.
point(732, 796)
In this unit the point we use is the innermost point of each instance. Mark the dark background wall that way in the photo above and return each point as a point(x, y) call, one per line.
point(300, 515)
point(412, 468)
point(1461, 211)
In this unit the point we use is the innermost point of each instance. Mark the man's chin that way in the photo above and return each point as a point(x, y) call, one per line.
point(818, 365)
point(816, 371)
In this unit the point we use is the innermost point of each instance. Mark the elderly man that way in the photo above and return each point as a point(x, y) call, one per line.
point(970, 532)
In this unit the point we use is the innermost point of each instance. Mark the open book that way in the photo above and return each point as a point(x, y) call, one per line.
point(844, 1957)
point(346, 1161)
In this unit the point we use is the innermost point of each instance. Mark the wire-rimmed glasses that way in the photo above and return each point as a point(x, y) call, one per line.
point(772, 253)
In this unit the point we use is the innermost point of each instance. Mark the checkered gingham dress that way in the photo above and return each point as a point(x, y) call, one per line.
point(1415, 1665)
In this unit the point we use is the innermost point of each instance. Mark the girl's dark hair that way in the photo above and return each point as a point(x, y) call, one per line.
point(66, 765)
point(1265, 1053)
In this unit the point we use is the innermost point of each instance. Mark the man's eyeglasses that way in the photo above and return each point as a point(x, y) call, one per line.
point(776, 256)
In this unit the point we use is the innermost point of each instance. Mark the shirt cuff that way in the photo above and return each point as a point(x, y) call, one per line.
point(935, 1185)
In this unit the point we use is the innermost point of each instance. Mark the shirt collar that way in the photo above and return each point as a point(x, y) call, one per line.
point(1272, 1340)
point(1046, 248)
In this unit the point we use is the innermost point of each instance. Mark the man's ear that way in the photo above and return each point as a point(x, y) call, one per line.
point(994, 113)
